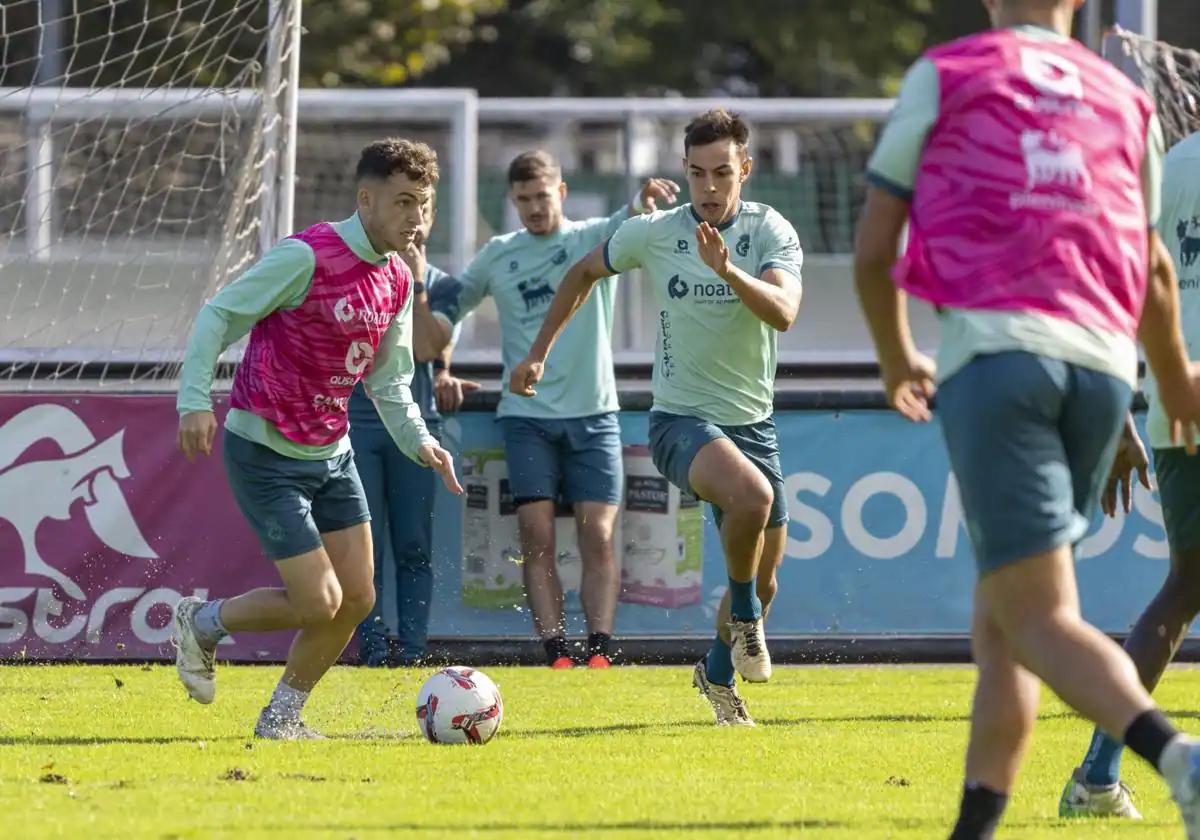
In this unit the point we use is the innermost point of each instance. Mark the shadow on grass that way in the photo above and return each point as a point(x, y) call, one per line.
point(106, 740)
point(580, 828)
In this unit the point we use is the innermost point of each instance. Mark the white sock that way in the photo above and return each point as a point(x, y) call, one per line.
point(1176, 760)
point(287, 702)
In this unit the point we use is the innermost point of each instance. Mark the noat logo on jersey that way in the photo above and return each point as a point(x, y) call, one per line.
point(343, 310)
point(560, 256)
point(677, 287)
point(345, 313)
point(681, 246)
point(1189, 242)
point(359, 357)
point(743, 245)
point(513, 266)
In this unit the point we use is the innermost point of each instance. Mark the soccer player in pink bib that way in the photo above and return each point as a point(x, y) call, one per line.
point(1026, 168)
point(324, 308)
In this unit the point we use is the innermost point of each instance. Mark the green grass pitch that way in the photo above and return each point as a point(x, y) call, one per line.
point(842, 752)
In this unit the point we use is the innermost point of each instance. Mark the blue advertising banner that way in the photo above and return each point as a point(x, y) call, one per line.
point(876, 542)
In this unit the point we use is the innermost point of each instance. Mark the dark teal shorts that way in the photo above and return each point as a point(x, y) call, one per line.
point(1178, 475)
point(675, 439)
point(577, 459)
point(290, 502)
point(1031, 440)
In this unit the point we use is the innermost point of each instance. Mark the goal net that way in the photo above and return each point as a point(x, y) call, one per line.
point(1171, 75)
point(142, 148)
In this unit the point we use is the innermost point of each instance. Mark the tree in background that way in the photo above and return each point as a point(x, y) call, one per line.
point(751, 48)
point(390, 42)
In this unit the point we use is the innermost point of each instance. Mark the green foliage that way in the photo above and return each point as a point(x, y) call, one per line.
point(751, 47)
point(387, 42)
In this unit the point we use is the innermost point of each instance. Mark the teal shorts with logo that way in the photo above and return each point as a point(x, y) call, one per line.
point(290, 502)
point(676, 439)
point(1031, 440)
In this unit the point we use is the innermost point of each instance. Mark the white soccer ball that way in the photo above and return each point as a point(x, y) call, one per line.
point(459, 706)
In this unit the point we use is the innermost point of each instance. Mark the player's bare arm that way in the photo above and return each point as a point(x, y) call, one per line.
point(773, 297)
point(1166, 351)
point(908, 374)
point(572, 293)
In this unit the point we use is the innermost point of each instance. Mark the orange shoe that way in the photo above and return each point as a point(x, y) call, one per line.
point(599, 661)
point(563, 663)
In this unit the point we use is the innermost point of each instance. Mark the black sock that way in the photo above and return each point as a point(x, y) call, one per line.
point(980, 813)
point(1149, 735)
point(556, 648)
point(598, 644)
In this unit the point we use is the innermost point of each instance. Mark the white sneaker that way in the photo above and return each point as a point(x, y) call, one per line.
point(750, 655)
point(276, 727)
point(1184, 780)
point(194, 661)
point(1079, 799)
point(727, 704)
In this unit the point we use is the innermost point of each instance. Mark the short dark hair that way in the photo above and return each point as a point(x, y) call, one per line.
point(384, 158)
point(714, 125)
point(529, 165)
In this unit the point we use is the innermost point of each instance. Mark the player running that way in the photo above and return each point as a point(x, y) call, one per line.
point(1095, 788)
point(721, 308)
point(567, 441)
point(324, 309)
point(1026, 169)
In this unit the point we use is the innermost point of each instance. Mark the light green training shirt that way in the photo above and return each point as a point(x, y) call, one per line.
point(1179, 227)
point(714, 358)
point(281, 280)
point(966, 333)
point(521, 272)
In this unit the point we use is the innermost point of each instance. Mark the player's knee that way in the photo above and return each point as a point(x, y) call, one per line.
point(320, 607)
point(752, 498)
point(597, 538)
point(357, 604)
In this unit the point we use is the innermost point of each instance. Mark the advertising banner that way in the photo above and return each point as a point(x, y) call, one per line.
point(103, 525)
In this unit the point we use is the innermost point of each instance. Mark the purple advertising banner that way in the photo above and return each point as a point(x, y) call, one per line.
point(104, 525)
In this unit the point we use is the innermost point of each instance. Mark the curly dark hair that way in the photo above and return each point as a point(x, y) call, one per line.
point(384, 158)
point(714, 125)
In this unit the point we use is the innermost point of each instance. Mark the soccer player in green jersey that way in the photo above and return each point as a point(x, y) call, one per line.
point(725, 275)
point(1095, 789)
point(567, 442)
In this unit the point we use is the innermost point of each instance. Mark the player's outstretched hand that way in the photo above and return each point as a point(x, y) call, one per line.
point(712, 248)
point(442, 463)
point(450, 391)
point(656, 190)
point(909, 386)
point(525, 376)
point(197, 431)
point(1131, 458)
point(1181, 404)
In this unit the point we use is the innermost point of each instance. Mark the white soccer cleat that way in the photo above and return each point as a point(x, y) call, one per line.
point(750, 655)
point(1185, 789)
point(275, 727)
point(1079, 799)
point(195, 662)
point(726, 703)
